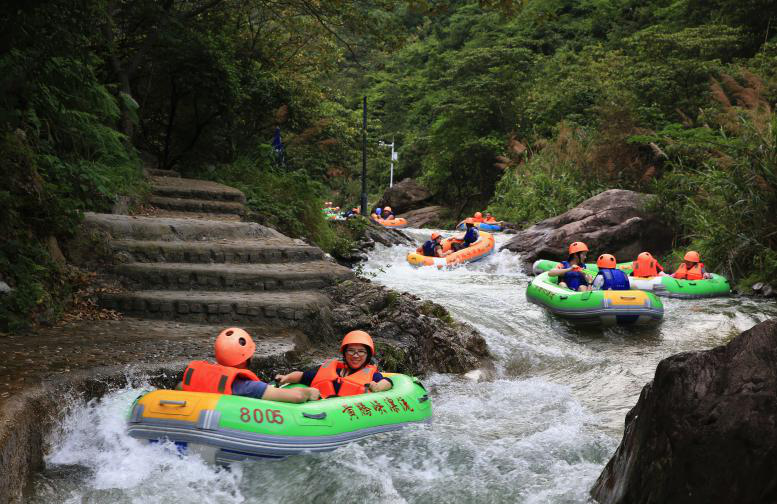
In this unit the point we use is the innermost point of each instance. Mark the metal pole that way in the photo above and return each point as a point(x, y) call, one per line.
point(391, 178)
point(364, 158)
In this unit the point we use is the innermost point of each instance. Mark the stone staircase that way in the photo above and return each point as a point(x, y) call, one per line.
point(195, 261)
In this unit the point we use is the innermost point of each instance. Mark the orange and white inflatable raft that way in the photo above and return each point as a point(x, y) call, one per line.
point(475, 252)
point(395, 223)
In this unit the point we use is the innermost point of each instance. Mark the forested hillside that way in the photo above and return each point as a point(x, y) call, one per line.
point(533, 111)
point(525, 107)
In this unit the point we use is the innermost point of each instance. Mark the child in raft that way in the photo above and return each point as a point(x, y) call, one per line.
point(376, 214)
point(691, 268)
point(353, 375)
point(646, 266)
point(433, 247)
point(234, 349)
point(609, 276)
point(571, 270)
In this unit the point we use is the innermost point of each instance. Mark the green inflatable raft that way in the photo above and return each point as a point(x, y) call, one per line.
point(608, 308)
point(665, 286)
point(227, 428)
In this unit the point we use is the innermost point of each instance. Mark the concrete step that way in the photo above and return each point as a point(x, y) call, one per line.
point(171, 229)
point(271, 308)
point(174, 187)
point(156, 172)
point(198, 205)
point(250, 277)
point(206, 216)
point(270, 251)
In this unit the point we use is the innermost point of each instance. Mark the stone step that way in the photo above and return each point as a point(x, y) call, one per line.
point(271, 308)
point(173, 187)
point(251, 277)
point(170, 229)
point(156, 172)
point(207, 216)
point(198, 205)
point(270, 251)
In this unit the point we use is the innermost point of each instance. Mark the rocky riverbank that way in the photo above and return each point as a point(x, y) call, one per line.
point(182, 273)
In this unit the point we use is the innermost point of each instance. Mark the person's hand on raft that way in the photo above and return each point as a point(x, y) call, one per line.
point(285, 379)
point(379, 386)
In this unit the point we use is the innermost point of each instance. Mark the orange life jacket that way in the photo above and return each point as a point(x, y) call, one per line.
point(478, 219)
point(695, 273)
point(490, 219)
point(202, 376)
point(353, 384)
point(644, 267)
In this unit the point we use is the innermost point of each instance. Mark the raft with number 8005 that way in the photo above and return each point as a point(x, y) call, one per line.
point(665, 286)
point(475, 252)
point(629, 307)
point(229, 428)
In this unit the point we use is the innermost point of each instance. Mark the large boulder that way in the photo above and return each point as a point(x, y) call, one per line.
point(704, 430)
point(412, 336)
point(431, 216)
point(405, 196)
point(615, 222)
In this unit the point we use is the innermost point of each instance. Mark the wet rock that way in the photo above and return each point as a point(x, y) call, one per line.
point(371, 234)
point(405, 196)
point(5, 288)
point(704, 430)
point(615, 222)
point(431, 216)
point(412, 336)
point(758, 286)
point(767, 291)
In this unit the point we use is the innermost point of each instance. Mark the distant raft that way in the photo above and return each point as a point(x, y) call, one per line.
point(607, 308)
point(228, 428)
point(397, 222)
point(475, 252)
point(483, 226)
point(665, 286)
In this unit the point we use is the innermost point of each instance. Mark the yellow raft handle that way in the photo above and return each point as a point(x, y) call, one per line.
point(166, 402)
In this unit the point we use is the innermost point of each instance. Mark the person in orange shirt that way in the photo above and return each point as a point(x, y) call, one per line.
point(489, 218)
point(353, 375)
point(691, 268)
point(478, 217)
point(234, 349)
point(646, 266)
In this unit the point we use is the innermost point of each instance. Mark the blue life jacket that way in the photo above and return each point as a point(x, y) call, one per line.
point(429, 247)
point(614, 279)
point(573, 279)
point(471, 236)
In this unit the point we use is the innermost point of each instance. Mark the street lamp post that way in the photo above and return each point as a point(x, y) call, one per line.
point(394, 157)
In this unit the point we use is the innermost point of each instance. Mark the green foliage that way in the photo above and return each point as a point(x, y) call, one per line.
point(722, 193)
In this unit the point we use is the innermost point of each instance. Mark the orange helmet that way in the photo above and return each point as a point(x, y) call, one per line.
point(577, 247)
point(435, 235)
point(357, 337)
point(234, 346)
point(692, 256)
point(478, 215)
point(645, 255)
point(387, 209)
point(606, 261)
point(469, 220)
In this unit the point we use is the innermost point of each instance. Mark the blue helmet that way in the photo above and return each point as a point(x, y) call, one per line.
point(378, 211)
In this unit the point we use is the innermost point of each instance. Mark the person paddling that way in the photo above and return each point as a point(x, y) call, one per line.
point(571, 270)
point(234, 349)
point(353, 375)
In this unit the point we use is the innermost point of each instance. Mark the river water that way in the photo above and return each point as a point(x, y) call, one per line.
point(538, 431)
